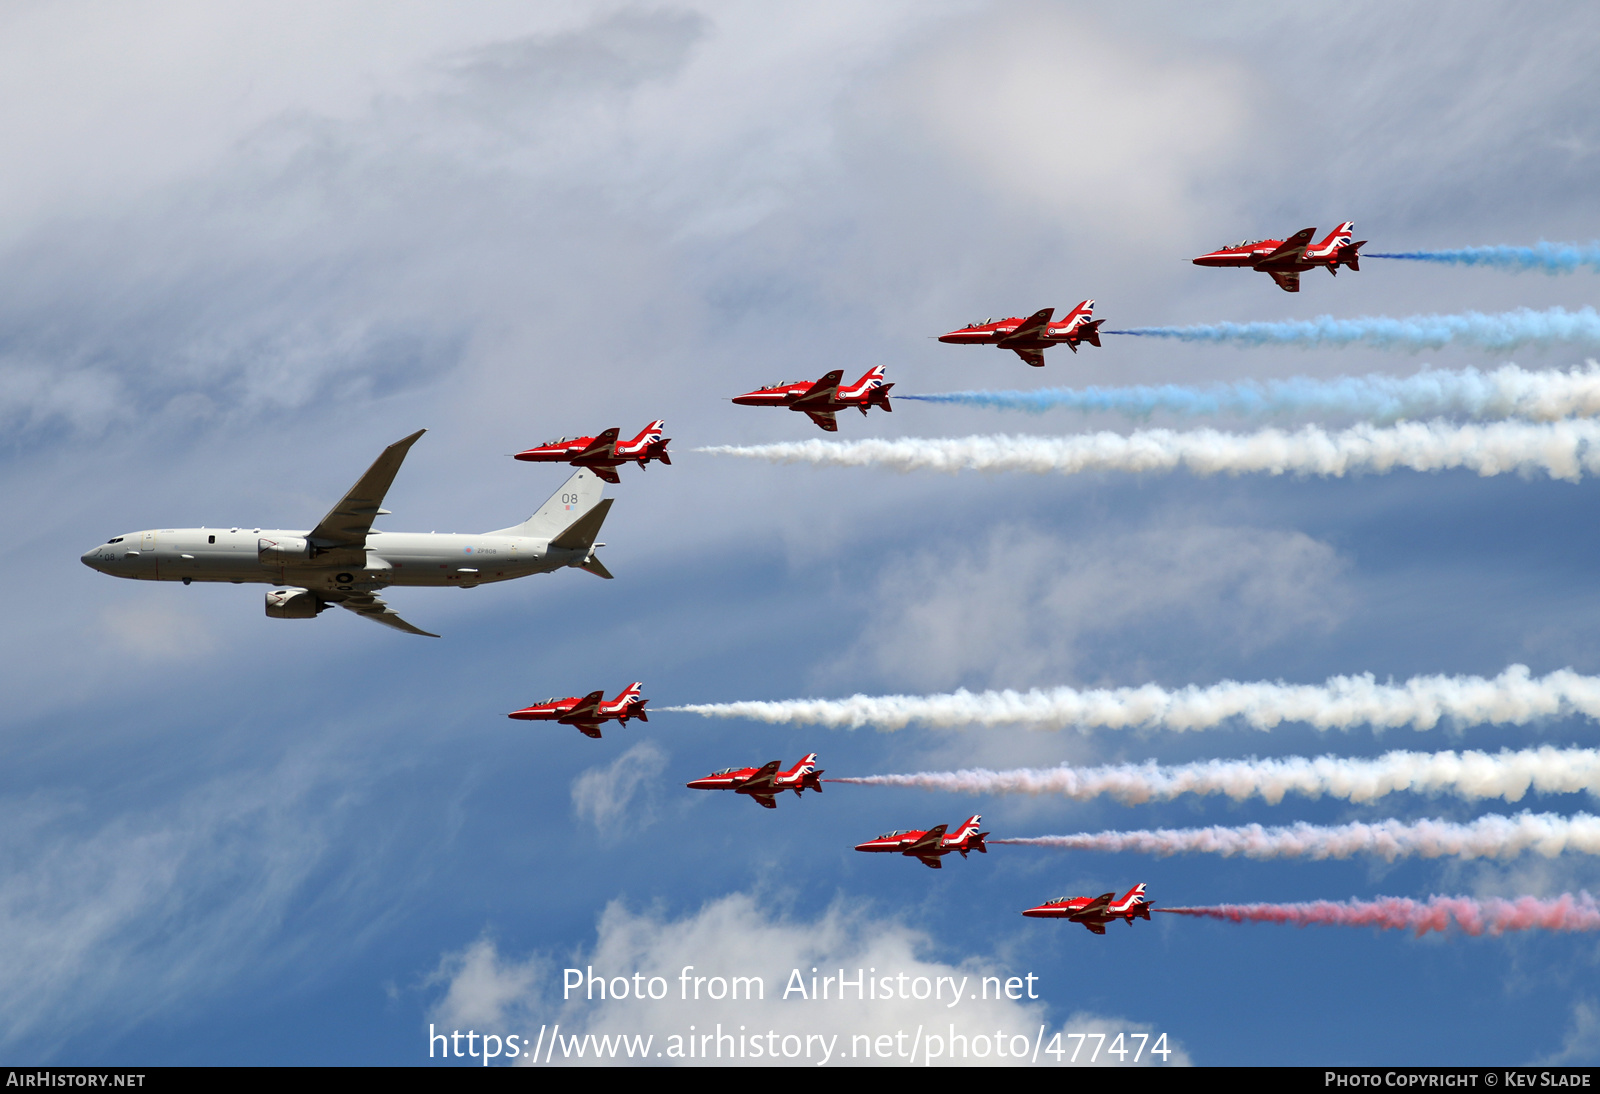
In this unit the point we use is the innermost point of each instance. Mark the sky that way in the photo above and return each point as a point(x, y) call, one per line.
point(247, 246)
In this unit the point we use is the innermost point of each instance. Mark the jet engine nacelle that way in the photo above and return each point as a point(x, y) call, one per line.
point(282, 549)
point(293, 604)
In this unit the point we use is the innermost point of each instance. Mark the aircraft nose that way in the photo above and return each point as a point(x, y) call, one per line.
point(91, 558)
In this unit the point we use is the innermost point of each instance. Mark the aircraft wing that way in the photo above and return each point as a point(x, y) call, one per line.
point(825, 419)
point(1289, 251)
point(605, 474)
point(371, 606)
point(600, 446)
point(1034, 357)
point(761, 781)
point(1288, 280)
point(584, 711)
point(765, 800)
point(1097, 928)
point(1029, 328)
point(1095, 907)
point(347, 524)
point(930, 841)
point(822, 391)
point(588, 729)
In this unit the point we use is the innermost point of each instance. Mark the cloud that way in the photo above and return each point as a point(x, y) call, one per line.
point(605, 795)
point(1096, 129)
point(1021, 606)
point(738, 936)
point(106, 920)
point(1581, 1045)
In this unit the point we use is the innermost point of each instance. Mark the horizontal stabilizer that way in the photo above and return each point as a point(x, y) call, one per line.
point(585, 530)
point(596, 567)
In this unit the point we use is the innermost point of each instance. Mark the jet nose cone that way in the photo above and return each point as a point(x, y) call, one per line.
point(91, 558)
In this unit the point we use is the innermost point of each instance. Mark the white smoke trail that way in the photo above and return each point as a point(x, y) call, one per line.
point(1567, 912)
point(1552, 258)
point(1505, 330)
point(1548, 834)
point(1562, 450)
point(1470, 775)
point(1514, 697)
point(1505, 392)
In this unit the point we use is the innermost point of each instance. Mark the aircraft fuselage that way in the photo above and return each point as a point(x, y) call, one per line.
point(275, 556)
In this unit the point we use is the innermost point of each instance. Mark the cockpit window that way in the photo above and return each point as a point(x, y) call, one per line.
point(117, 540)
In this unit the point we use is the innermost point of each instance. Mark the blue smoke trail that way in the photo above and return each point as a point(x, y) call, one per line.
point(1504, 331)
point(1505, 392)
point(1552, 258)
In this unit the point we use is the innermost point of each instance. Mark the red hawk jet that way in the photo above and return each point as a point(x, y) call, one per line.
point(1287, 259)
point(765, 783)
point(1030, 337)
point(930, 845)
point(822, 399)
point(603, 454)
point(1095, 912)
point(588, 712)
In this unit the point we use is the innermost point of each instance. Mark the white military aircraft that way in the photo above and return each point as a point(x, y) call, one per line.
point(345, 561)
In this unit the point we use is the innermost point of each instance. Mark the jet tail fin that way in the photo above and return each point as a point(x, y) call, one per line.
point(577, 496)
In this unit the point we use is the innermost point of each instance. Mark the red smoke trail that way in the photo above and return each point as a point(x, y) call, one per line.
point(1566, 912)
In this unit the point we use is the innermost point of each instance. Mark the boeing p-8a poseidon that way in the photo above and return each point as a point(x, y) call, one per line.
point(345, 561)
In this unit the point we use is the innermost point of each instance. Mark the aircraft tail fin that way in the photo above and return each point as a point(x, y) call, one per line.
point(580, 494)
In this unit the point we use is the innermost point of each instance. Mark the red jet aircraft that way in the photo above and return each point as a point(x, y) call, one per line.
point(930, 845)
point(820, 400)
point(603, 454)
point(765, 783)
point(1095, 912)
point(1287, 259)
point(1030, 337)
point(588, 712)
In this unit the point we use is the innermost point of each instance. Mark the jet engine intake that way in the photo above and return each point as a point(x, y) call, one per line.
point(294, 604)
point(282, 549)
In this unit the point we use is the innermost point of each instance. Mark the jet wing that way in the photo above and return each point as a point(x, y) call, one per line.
point(584, 711)
point(821, 392)
point(765, 801)
point(600, 446)
point(931, 860)
point(761, 781)
point(1029, 328)
point(605, 474)
point(1095, 907)
point(825, 419)
point(370, 606)
point(1288, 280)
point(1097, 928)
point(1289, 252)
point(588, 729)
point(1034, 357)
point(347, 524)
point(930, 841)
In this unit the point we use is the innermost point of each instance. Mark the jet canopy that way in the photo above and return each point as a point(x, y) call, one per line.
point(896, 832)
